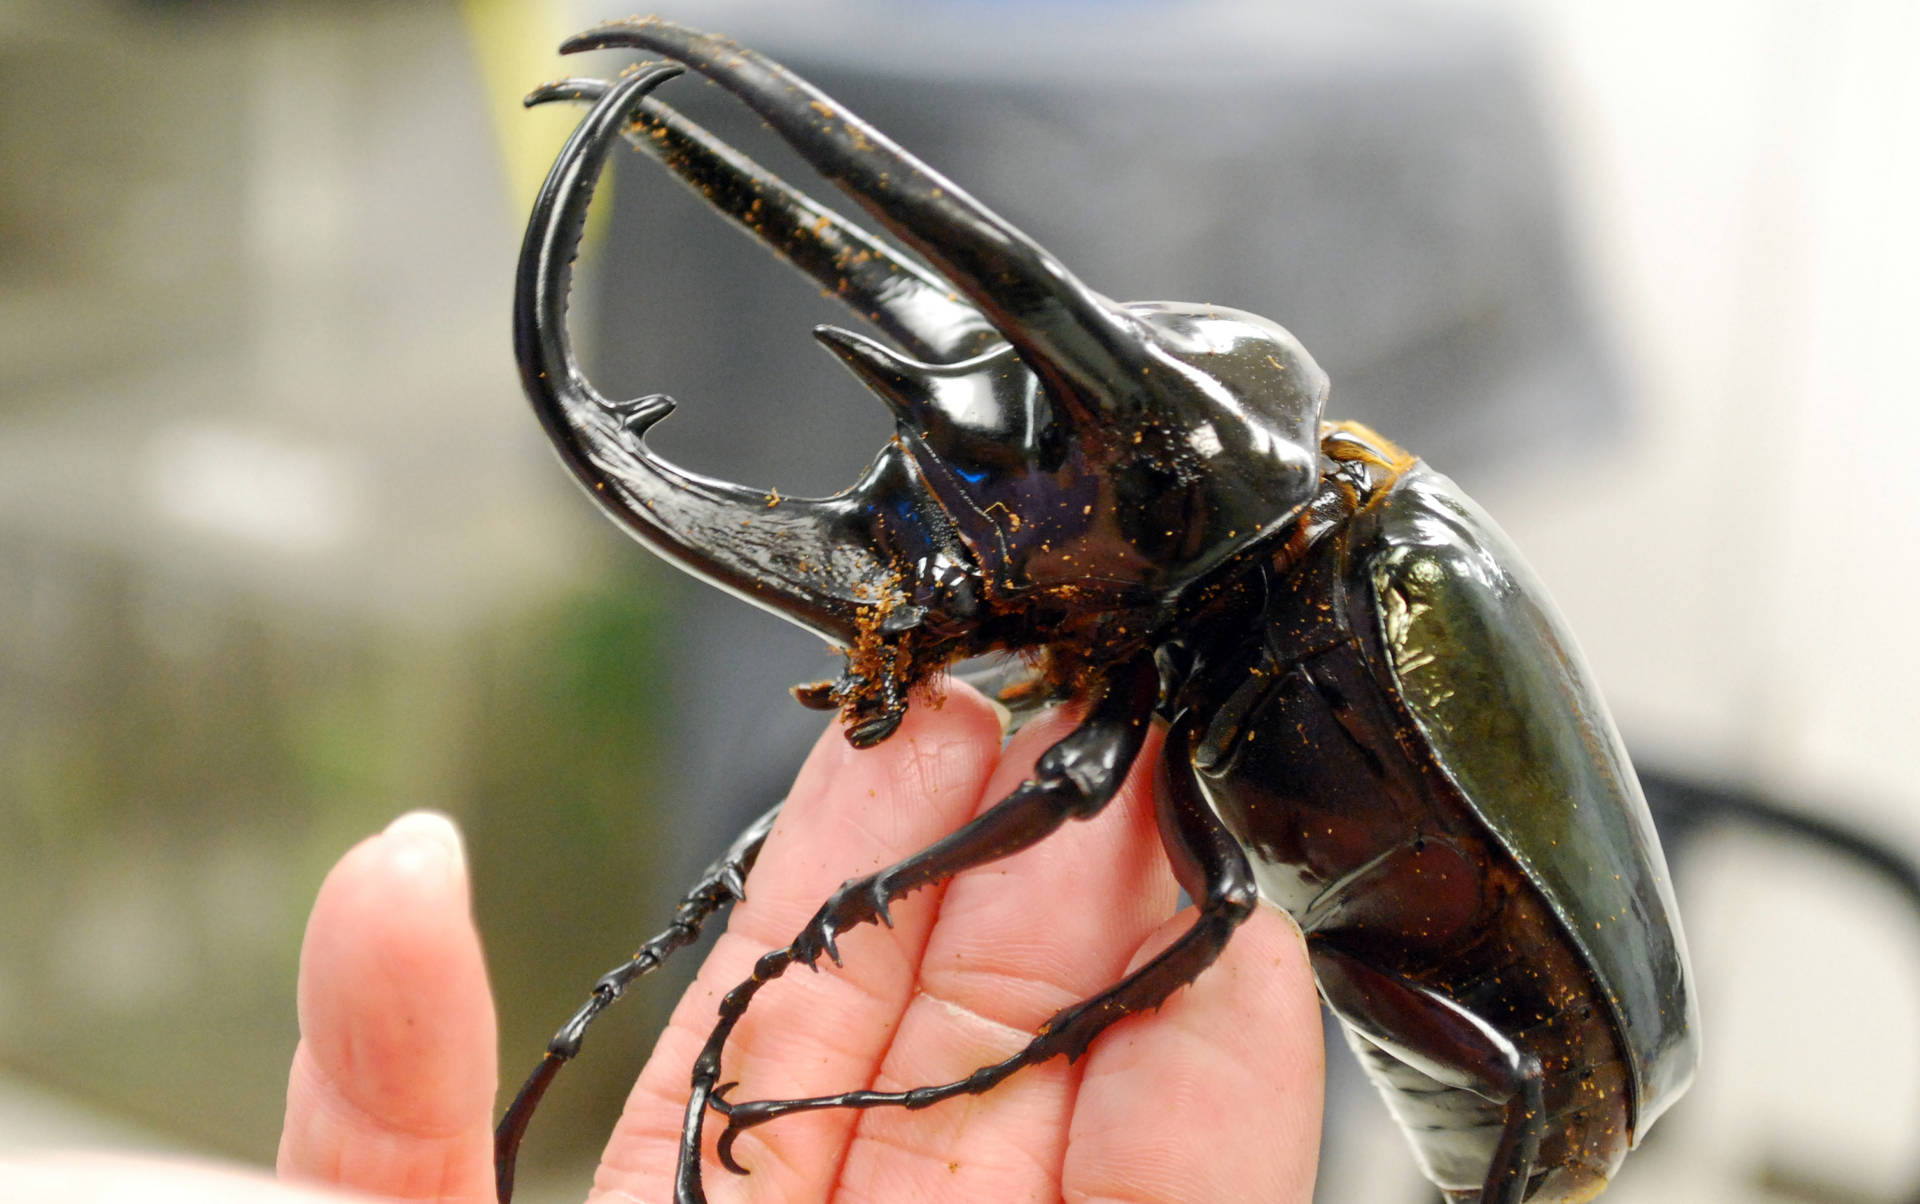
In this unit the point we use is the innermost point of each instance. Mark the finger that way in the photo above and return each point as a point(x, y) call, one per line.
point(112, 1179)
point(1016, 941)
point(392, 1084)
point(1217, 1096)
point(850, 813)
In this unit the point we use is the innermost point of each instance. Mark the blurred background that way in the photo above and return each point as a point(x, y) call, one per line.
point(282, 554)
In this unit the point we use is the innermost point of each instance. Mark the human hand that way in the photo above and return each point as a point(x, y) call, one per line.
point(1215, 1097)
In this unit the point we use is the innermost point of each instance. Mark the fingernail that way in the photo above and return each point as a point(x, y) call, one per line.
point(435, 828)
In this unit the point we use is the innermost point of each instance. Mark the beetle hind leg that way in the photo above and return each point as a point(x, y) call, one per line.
point(1481, 1095)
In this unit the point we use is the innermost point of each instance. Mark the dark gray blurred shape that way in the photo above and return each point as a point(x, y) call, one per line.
point(1374, 177)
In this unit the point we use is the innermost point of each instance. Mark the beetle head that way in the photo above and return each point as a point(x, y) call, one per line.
point(1065, 468)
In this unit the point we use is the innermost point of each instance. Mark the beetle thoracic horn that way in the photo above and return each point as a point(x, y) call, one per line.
point(808, 560)
point(1074, 339)
point(900, 297)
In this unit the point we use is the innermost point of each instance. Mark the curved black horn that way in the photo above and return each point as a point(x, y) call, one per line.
point(903, 299)
point(1079, 343)
point(814, 562)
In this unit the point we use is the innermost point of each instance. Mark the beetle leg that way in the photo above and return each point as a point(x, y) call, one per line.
point(1210, 866)
point(723, 882)
point(1443, 1041)
point(1073, 779)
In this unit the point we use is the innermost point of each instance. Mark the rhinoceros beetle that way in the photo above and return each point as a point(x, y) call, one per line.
point(1374, 716)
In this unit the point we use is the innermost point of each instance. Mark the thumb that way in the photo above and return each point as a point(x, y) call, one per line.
point(393, 1083)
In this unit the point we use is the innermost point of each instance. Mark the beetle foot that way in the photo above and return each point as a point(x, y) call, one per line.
point(876, 698)
point(733, 882)
point(871, 714)
point(725, 1153)
point(859, 901)
point(871, 731)
point(724, 1150)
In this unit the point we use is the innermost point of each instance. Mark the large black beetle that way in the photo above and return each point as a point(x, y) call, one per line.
point(1375, 717)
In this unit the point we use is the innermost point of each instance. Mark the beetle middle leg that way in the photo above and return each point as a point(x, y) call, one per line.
point(721, 883)
point(1209, 865)
point(1073, 779)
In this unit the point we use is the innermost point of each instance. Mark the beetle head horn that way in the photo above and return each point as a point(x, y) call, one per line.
point(1182, 432)
point(818, 562)
point(1075, 340)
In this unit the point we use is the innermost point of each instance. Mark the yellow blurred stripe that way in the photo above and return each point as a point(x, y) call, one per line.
point(516, 45)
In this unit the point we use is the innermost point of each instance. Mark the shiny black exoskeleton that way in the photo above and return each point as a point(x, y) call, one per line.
point(1375, 717)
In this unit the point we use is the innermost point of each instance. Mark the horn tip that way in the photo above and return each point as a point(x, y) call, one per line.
point(837, 339)
point(608, 33)
point(855, 347)
point(566, 89)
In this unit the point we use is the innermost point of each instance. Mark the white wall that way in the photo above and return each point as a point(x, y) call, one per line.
point(1745, 179)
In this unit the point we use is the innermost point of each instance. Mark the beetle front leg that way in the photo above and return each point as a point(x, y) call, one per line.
point(1211, 867)
point(723, 882)
point(1073, 779)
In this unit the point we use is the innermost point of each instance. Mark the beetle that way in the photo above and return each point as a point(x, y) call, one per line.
point(1375, 717)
